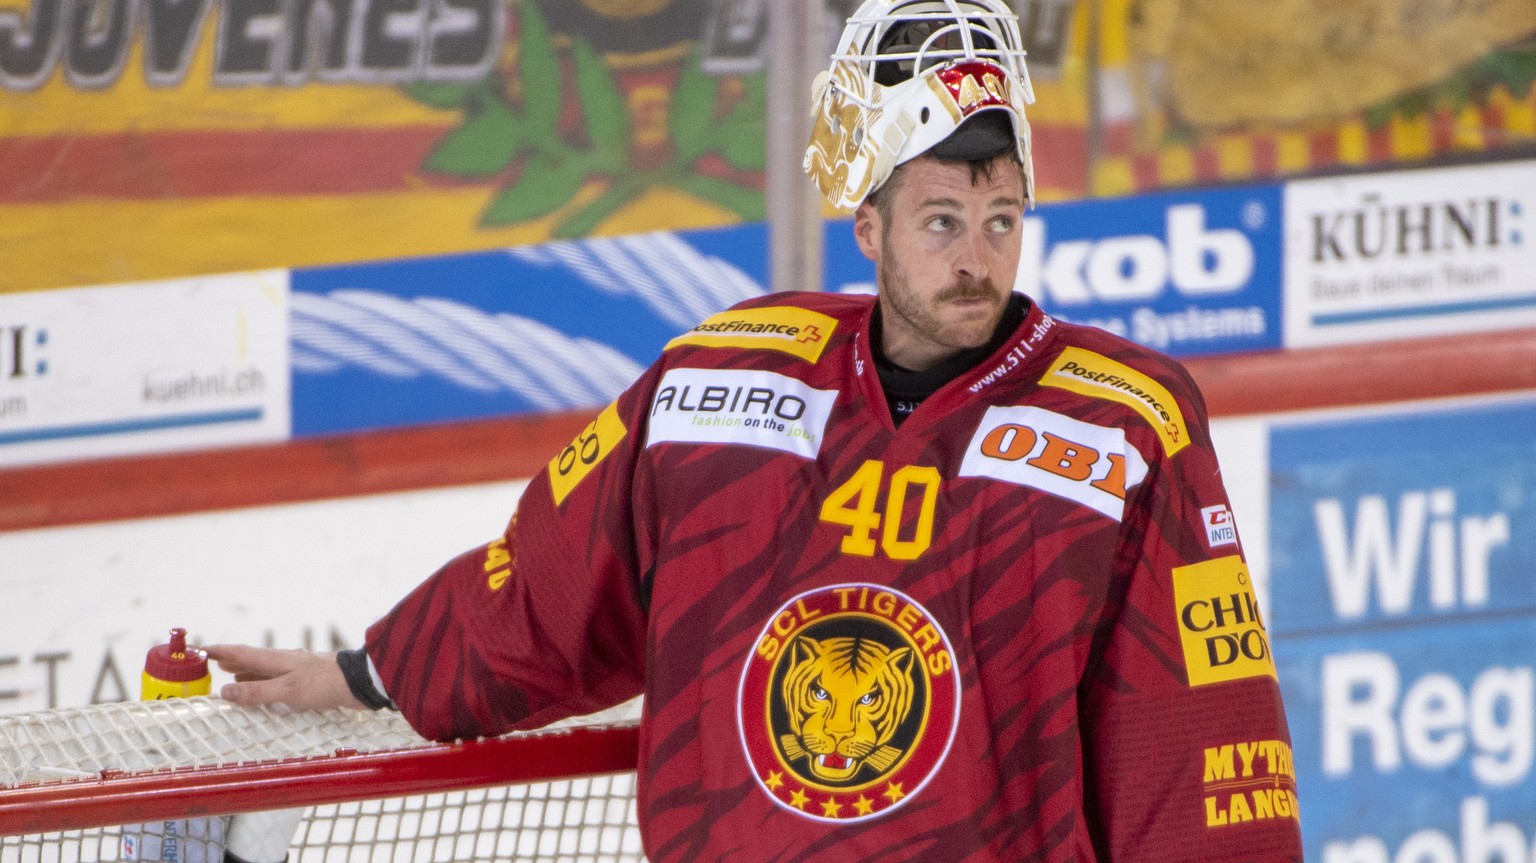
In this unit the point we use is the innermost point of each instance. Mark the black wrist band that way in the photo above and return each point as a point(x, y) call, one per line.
point(354, 667)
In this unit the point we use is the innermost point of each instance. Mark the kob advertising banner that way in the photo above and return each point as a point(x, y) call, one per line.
point(1187, 274)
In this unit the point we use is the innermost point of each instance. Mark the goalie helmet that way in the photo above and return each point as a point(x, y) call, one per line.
point(910, 76)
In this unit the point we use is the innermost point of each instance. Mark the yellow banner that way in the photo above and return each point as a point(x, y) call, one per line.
point(167, 138)
point(1285, 61)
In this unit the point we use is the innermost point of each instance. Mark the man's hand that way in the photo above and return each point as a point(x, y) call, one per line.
point(301, 679)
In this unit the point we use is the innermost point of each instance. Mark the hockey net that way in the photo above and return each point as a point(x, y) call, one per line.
point(169, 779)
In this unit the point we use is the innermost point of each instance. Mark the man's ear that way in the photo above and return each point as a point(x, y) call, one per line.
point(867, 230)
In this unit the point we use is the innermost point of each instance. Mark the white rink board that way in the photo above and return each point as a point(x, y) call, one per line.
point(84, 603)
point(1409, 254)
point(140, 368)
point(286, 575)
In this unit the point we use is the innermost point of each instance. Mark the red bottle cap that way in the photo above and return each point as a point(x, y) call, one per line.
point(174, 663)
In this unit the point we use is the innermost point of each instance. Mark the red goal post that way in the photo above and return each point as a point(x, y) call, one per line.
point(70, 780)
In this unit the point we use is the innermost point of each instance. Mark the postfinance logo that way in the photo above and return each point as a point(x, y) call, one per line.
point(1097, 376)
point(849, 702)
point(798, 332)
point(1219, 623)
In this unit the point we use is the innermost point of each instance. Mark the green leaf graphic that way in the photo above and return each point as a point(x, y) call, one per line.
point(692, 120)
point(753, 108)
point(746, 203)
point(539, 71)
point(445, 96)
point(547, 183)
point(480, 147)
point(746, 149)
point(1514, 67)
point(745, 138)
point(1378, 116)
point(1416, 104)
point(583, 223)
point(604, 107)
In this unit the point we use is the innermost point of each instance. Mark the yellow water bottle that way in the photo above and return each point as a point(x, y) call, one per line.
point(172, 671)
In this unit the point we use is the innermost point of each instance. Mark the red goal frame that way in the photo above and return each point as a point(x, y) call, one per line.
point(116, 797)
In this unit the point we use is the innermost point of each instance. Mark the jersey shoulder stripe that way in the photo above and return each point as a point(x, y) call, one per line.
point(582, 456)
point(1094, 375)
point(792, 330)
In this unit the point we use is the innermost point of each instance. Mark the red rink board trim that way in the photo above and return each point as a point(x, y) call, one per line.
point(1367, 374)
point(311, 469)
point(198, 164)
point(138, 798)
point(519, 447)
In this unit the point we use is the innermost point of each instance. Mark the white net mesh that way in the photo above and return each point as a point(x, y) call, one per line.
point(142, 736)
point(589, 820)
point(575, 821)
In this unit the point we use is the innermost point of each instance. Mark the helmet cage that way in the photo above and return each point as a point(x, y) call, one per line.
point(906, 75)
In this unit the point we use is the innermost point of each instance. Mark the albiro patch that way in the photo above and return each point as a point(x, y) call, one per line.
point(739, 406)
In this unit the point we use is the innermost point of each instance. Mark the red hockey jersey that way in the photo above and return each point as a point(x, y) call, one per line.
point(1017, 627)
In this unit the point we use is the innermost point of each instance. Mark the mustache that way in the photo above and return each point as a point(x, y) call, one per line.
point(969, 290)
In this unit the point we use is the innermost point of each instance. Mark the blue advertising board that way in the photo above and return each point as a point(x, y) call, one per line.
point(1404, 625)
point(1186, 273)
point(559, 326)
point(566, 325)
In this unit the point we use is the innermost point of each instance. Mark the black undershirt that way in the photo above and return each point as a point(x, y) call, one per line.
point(905, 389)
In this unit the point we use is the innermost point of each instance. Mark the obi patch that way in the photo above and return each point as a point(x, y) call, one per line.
point(1056, 454)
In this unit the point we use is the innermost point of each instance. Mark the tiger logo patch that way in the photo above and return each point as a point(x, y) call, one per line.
point(849, 702)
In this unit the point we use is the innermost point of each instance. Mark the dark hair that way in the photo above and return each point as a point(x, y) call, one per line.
point(981, 169)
